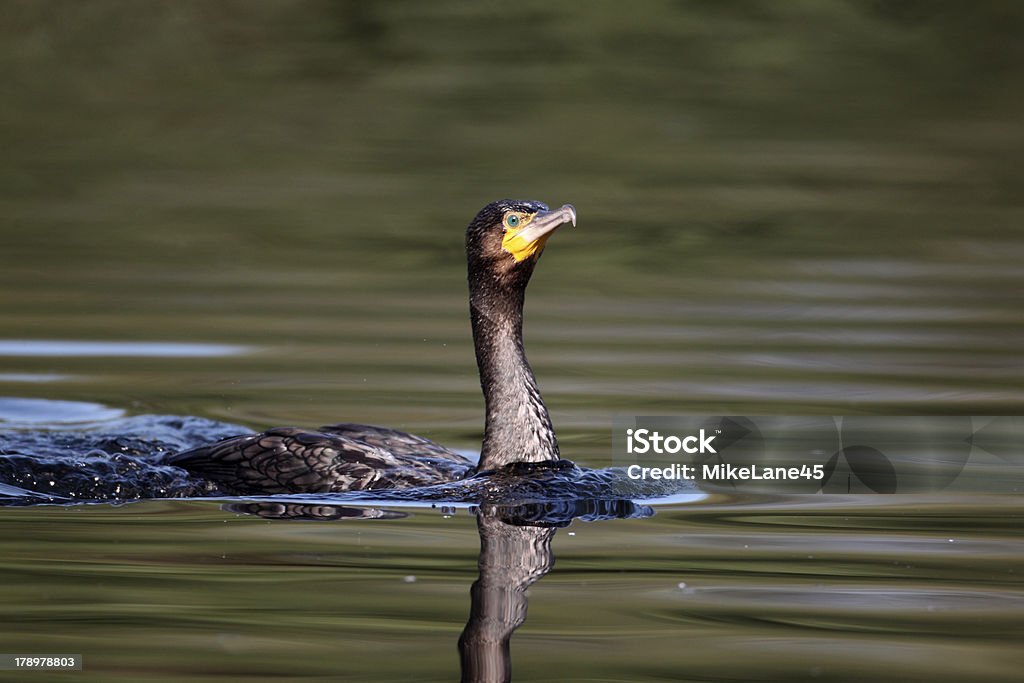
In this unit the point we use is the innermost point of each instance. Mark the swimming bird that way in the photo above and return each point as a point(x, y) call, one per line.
point(503, 243)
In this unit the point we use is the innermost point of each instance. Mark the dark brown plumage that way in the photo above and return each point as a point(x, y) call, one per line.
point(503, 243)
point(333, 458)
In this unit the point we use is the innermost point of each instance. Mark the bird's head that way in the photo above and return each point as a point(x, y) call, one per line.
point(507, 237)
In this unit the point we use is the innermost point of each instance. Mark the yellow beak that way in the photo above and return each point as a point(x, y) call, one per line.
point(529, 240)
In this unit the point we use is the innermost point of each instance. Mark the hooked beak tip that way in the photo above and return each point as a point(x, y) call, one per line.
point(571, 210)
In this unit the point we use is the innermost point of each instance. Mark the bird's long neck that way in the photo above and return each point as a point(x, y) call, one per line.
point(518, 428)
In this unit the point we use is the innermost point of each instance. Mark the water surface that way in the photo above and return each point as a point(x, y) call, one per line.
point(256, 217)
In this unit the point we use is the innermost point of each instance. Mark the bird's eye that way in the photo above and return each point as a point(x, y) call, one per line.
point(511, 220)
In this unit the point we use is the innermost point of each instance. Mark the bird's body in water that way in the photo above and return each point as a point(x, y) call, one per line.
point(503, 243)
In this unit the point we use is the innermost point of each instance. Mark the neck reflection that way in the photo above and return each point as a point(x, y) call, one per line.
point(515, 553)
point(512, 558)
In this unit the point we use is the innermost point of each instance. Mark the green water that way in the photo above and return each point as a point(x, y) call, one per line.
point(784, 208)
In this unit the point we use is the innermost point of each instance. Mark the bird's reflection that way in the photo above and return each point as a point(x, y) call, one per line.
point(310, 512)
point(512, 557)
point(515, 553)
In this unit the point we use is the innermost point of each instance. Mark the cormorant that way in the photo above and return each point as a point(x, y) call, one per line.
point(503, 243)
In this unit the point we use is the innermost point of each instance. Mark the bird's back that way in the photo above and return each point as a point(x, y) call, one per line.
point(335, 458)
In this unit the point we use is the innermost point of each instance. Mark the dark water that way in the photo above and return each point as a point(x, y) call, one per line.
point(254, 215)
